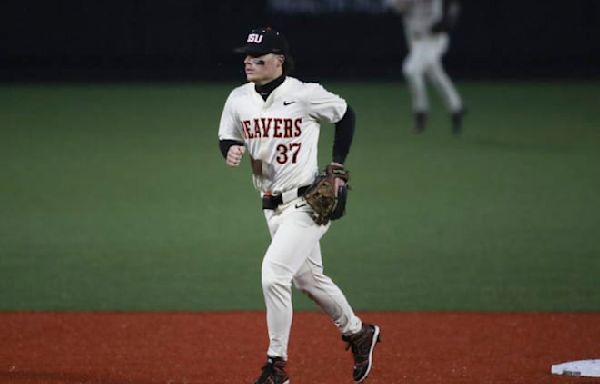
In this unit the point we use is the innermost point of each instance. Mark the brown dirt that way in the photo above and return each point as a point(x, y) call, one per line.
point(181, 348)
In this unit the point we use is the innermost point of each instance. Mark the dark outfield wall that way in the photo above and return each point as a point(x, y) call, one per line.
point(192, 40)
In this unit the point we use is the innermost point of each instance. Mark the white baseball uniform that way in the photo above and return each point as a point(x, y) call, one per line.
point(281, 135)
point(426, 50)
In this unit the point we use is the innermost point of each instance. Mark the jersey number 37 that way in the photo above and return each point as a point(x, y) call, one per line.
point(288, 152)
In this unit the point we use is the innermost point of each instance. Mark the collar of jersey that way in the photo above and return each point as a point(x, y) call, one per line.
point(266, 89)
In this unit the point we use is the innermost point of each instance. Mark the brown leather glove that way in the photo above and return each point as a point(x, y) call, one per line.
point(327, 203)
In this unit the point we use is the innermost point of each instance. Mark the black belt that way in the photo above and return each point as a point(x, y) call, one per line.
point(273, 201)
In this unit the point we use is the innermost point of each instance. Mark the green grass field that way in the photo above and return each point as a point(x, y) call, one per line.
point(115, 197)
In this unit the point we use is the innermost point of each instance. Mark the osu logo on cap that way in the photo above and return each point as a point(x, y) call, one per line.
point(254, 38)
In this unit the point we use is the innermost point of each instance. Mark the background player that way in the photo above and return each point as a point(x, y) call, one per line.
point(276, 120)
point(426, 26)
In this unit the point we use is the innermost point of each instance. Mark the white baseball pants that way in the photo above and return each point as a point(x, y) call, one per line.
point(425, 59)
point(294, 255)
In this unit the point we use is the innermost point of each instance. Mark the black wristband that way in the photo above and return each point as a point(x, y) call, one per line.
point(224, 145)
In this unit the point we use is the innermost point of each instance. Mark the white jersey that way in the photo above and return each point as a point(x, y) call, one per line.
point(281, 133)
point(418, 16)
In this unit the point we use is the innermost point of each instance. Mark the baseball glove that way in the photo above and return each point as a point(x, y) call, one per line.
point(321, 196)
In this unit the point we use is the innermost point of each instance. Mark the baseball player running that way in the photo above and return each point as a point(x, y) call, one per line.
point(275, 119)
point(426, 26)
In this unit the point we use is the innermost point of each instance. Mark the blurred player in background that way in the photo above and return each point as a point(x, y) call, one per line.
point(426, 27)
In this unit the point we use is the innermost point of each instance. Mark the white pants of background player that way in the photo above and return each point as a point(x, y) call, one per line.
point(425, 59)
point(295, 256)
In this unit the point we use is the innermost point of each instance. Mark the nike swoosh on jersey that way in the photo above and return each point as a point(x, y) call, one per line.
point(299, 205)
point(288, 102)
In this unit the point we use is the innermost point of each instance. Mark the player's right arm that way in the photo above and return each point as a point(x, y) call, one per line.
point(231, 142)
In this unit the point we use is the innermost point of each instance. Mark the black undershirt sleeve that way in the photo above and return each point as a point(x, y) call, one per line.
point(224, 145)
point(344, 130)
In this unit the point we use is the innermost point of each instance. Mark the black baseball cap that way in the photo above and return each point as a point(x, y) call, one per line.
point(264, 40)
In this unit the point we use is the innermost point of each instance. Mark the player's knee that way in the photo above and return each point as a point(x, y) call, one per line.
point(410, 70)
point(275, 278)
point(306, 285)
point(276, 285)
point(310, 281)
point(302, 282)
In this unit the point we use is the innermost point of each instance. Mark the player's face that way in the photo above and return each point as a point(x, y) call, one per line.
point(261, 69)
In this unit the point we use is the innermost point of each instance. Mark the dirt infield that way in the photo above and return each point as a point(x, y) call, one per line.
point(180, 348)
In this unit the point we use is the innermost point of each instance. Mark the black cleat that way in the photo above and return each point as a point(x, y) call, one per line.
point(457, 121)
point(363, 344)
point(273, 372)
point(420, 122)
